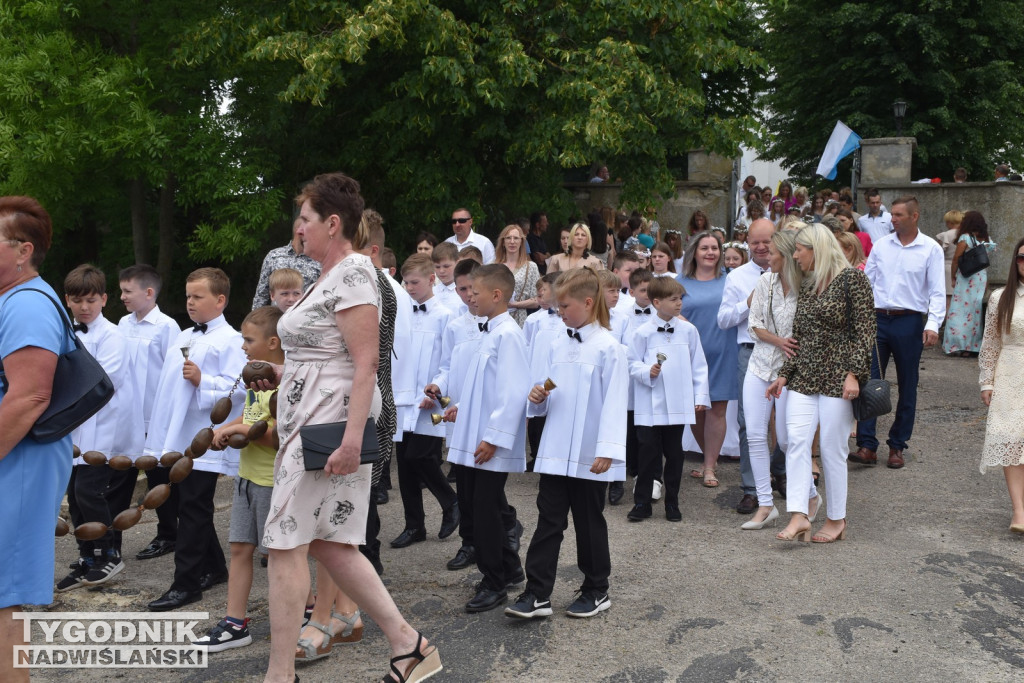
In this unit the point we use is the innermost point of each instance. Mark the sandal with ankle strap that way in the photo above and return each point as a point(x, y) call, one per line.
point(710, 480)
point(427, 664)
point(309, 651)
point(351, 633)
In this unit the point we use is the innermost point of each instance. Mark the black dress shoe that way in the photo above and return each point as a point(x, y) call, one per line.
point(747, 504)
point(208, 581)
point(464, 558)
point(408, 537)
point(173, 599)
point(449, 521)
point(615, 492)
point(156, 548)
point(516, 580)
point(514, 536)
point(380, 495)
point(672, 513)
point(640, 512)
point(486, 599)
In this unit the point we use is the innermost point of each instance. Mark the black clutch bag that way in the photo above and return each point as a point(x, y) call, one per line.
point(319, 441)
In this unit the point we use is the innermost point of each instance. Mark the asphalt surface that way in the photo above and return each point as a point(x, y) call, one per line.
point(927, 586)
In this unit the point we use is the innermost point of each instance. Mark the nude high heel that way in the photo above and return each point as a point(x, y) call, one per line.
point(751, 525)
point(804, 535)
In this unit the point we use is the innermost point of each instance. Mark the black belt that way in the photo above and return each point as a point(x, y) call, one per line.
point(896, 311)
point(747, 345)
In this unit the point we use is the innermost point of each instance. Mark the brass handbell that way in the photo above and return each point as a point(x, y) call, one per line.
point(445, 401)
point(549, 385)
point(661, 358)
point(184, 352)
point(436, 419)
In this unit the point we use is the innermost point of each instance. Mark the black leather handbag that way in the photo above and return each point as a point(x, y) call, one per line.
point(875, 396)
point(973, 260)
point(319, 441)
point(80, 387)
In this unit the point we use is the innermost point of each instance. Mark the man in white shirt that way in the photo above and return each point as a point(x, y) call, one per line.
point(877, 222)
point(462, 226)
point(1002, 173)
point(906, 273)
point(733, 312)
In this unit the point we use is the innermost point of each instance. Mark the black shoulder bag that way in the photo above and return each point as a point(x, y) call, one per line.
point(973, 260)
point(875, 395)
point(80, 387)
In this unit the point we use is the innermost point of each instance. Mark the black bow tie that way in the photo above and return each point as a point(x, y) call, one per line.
point(199, 327)
point(552, 311)
point(573, 334)
point(80, 327)
point(642, 311)
point(420, 307)
point(667, 330)
point(625, 290)
point(482, 326)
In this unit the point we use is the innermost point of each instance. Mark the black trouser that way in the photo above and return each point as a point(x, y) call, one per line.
point(632, 445)
point(534, 429)
point(664, 440)
point(556, 496)
point(166, 514)
point(119, 496)
point(371, 550)
point(87, 503)
point(419, 459)
point(485, 492)
point(463, 490)
point(197, 551)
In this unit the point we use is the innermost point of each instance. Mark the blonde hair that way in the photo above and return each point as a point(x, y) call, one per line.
point(580, 283)
point(419, 264)
point(499, 250)
point(850, 241)
point(784, 242)
point(955, 216)
point(829, 259)
point(285, 278)
point(572, 233)
point(609, 280)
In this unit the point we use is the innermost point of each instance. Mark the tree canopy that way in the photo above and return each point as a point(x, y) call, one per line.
point(957, 64)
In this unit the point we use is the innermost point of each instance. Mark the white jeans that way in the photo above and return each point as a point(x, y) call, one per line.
point(803, 415)
point(758, 412)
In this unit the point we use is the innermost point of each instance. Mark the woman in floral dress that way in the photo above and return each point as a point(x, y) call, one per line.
point(964, 324)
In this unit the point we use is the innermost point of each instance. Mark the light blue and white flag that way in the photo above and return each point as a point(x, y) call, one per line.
point(840, 144)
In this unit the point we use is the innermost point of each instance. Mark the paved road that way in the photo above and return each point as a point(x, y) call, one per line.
point(926, 587)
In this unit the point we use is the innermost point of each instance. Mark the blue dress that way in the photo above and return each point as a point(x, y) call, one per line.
point(700, 307)
point(964, 321)
point(33, 476)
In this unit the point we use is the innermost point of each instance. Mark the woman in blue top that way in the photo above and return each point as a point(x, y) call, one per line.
point(33, 476)
point(704, 281)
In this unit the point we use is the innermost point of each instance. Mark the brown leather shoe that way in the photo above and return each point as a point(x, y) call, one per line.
point(865, 456)
point(895, 458)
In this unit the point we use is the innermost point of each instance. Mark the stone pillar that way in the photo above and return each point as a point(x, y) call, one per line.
point(886, 161)
point(708, 168)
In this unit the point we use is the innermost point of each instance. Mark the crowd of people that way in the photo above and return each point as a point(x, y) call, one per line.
point(638, 342)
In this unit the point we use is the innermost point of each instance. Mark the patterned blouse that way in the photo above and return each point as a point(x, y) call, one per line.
point(829, 348)
point(774, 311)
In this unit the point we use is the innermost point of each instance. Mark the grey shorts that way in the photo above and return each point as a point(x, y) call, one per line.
point(249, 510)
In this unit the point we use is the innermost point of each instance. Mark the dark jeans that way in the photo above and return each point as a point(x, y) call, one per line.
point(197, 551)
point(556, 497)
point(899, 337)
point(87, 503)
point(655, 442)
point(419, 459)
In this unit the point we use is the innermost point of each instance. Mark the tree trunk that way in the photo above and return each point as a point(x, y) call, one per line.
point(140, 226)
point(165, 255)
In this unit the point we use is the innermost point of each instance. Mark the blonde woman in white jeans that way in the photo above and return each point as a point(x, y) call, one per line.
point(835, 330)
point(772, 309)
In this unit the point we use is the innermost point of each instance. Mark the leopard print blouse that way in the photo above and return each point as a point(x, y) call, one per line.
point(829, 348)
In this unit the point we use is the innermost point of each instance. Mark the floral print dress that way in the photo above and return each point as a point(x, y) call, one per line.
point(964, 323)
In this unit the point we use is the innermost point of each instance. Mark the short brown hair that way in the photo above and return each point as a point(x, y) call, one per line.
point(24, 219)
point(331, 194)
point(609, 280)
point(909, 201)
point(466, 267)
point(419, 264)
point(388, 259)
point(285, 278)
point(446, 251)
point(84, 280)
point(265, 318)
point(143, 274)
point(216, 279)
point(470, 253)
point(497, 276)
point(663, 288)
point(639, 276)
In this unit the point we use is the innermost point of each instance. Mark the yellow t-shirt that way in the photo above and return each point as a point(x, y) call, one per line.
point(256, 462)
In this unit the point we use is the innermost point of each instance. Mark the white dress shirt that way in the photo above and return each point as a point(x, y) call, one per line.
point(876, 226)
point(148, 340)
point(909, 277)
point(449, 298)
point(733, 312)
point(475, 239)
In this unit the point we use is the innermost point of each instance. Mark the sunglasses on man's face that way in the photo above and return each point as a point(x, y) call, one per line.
point(460, 221)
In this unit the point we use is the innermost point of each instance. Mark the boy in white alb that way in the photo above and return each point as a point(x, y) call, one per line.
point(637, 314)
point(623, 266)
point(582, 449)
point(670, 384)
point(187, 392)
point(419, 453)
point(444, 259)
point(99, 560)
point(542, 327)
point(490, 436)
point(618, 319)
point(149, 336)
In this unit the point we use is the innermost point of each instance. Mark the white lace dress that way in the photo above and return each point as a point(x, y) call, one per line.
point(1001, 360)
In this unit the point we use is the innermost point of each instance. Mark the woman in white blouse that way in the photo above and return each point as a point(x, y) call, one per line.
point(772, 309)
point(1001, 360)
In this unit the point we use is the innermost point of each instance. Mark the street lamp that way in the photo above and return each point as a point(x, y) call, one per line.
point(899, 110)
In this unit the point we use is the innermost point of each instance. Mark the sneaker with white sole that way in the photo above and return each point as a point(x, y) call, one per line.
point(588, 604)
point(527, 606)
point(73, 580)
point(101, 573)
point(225, 636)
